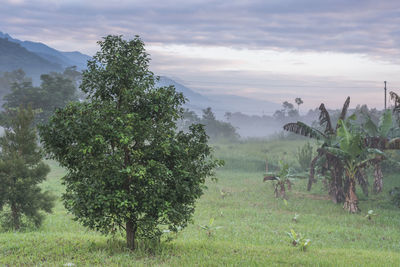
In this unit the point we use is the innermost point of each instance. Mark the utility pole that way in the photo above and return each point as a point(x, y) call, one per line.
point(385, 94)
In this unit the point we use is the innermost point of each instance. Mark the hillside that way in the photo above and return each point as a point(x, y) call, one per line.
point(13, 56)
point(64, 59)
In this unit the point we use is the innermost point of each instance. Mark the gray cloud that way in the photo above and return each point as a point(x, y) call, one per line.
point(350, 26)
point(341, 26)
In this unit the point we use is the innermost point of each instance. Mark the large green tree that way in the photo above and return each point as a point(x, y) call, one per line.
point(127, 165)
point(21, 171)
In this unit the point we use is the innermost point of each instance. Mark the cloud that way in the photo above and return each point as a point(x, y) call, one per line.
point(341, 26)
point(293, 28)
point(14, 2)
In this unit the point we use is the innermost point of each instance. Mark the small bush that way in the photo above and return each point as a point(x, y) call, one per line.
point(304, 156)
point(395, 196)
point(392, 162)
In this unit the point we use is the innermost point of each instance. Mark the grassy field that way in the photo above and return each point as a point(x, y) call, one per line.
point(249, 226)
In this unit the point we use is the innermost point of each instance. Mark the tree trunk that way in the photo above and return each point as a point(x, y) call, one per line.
point(311, 179)
point(282, 191)
point(362, 180)
point(351, 203)
point(289, 185)
point(15, 217)
point(378, 178)
point(336, 187)
point(130, 235)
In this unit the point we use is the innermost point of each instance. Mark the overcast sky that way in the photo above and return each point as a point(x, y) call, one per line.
point(275, 50)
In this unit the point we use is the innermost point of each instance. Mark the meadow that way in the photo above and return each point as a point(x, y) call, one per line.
point(238, 222)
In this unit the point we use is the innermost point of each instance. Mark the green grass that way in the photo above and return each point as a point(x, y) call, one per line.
point(253, 225)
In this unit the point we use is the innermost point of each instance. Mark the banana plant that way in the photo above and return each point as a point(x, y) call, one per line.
point(355, 155)
point(282, 178)
point(329, 139)
point(379, 136)
point(210, 228)
point(298, 240)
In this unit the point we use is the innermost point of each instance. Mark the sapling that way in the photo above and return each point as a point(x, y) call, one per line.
point(224, 193)
point(210, 229)
point(298, 240)
point(282, 179)
point(370, 214)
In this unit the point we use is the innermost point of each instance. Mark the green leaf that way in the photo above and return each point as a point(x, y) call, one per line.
point(385, 123)
point(294, 234)
point(304, 130)
point(353, 117)
point(211, 221)
point(370, 127)
point(350, 143)
point(337, 152)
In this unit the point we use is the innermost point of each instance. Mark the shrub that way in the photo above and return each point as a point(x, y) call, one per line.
point(304, 156)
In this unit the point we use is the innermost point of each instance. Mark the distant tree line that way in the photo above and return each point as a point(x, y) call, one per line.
point(215, 129)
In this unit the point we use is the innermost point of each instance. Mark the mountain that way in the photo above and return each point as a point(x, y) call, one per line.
point(64, 59)
point(221, 104)
point(13, 56)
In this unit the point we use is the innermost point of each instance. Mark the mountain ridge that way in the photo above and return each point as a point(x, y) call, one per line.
point(64, 59)
point(13, 56)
